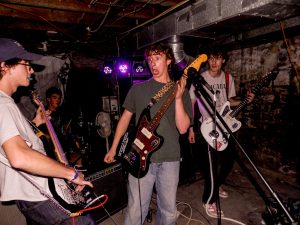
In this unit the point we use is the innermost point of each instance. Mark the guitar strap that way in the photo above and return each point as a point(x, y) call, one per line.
point(160, 93)
point(227, 83)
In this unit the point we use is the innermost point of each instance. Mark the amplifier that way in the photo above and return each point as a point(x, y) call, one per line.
point(110, 181)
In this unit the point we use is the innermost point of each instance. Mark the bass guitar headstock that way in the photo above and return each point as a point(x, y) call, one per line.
point(36, 97)
point(265, 80)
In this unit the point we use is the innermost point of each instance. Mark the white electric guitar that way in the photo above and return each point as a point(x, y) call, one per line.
point(218, 137)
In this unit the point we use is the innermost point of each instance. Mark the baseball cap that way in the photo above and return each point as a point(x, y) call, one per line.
point(10, 49)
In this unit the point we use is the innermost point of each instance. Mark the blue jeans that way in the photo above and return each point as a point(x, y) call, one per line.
point(47, 213)
point(165, 176)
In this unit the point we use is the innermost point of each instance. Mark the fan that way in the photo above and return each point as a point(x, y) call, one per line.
point(103, 125)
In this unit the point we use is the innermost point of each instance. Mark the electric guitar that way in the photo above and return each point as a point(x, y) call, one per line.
point(135, 149)
point(63, 191)
point(218, 139)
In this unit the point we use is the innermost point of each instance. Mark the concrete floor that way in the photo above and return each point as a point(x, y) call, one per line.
point(247, 201)
point(248, 198)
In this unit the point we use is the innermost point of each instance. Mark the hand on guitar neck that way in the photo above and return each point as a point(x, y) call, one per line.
point(181, 84)
point(180, 87)
point(39, 117)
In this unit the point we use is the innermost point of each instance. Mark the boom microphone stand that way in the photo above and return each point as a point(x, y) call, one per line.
point(199, 82)
point(213, 134)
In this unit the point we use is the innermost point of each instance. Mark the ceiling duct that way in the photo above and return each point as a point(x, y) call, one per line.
point(181, 58)
point(216, 20)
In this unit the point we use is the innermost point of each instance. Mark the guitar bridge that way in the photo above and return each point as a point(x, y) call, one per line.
point(225, 111)
point(214, 134)
point(130, 158)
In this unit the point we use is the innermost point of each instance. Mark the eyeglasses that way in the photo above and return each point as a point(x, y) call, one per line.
point(26, 64)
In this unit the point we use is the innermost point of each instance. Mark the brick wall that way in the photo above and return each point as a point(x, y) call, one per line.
point(270, 132)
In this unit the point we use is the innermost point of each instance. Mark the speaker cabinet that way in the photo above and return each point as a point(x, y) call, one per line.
point(110, 181)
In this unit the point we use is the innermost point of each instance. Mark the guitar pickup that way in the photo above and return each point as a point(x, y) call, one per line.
point(139, 144)
point(235, 125)
point(146, 132)
point(226, 110)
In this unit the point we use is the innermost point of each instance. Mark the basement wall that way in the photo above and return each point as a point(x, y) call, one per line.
point(270, 132)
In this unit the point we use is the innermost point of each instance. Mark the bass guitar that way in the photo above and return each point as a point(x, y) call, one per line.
point(136, 148)
point(218, 139)
point(63, 191)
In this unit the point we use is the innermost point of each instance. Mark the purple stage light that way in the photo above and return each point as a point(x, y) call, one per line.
point(123, 68)
point(107, 70)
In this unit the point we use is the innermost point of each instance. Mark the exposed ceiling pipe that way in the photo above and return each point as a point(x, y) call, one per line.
point(181, 58)
point(155, 18)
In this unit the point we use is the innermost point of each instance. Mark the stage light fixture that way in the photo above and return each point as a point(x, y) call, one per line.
point(138, 67)
point(107, 70)
point(123, 68)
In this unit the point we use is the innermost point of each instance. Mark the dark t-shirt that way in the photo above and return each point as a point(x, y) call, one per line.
point(56, 120)
point(137, 100)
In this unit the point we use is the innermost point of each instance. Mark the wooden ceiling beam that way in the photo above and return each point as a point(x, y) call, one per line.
point(56, 16)
point(134, 10)
point(54, 5)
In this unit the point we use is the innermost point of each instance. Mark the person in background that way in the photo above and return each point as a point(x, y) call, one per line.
point(165, 161)
point(55, 114)
point(25, 169)
point(222, 161)
point(53, 109)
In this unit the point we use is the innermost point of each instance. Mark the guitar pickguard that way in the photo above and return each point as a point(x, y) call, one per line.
point(218, 138)
point(136, 155)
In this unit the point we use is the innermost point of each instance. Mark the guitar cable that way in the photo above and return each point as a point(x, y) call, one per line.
point(78, 213)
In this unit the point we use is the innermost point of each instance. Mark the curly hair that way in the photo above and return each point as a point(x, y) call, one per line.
point(156, 49)
point(159, 48)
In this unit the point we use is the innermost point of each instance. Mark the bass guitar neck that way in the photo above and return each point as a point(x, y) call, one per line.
point(63, 191)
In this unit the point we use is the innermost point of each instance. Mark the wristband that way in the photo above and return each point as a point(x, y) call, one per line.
point(75, 175)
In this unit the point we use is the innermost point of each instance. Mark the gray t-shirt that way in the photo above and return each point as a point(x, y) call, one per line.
point(13, 186)
point(137, 100)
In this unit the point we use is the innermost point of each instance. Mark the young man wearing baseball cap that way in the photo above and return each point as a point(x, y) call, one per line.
point(25, 170)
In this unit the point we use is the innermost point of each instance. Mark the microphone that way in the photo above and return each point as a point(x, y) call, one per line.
point(199, 79)
point(192, 72)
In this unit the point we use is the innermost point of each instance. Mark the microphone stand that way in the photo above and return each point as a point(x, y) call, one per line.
point(214, 133)
point(199, 84)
